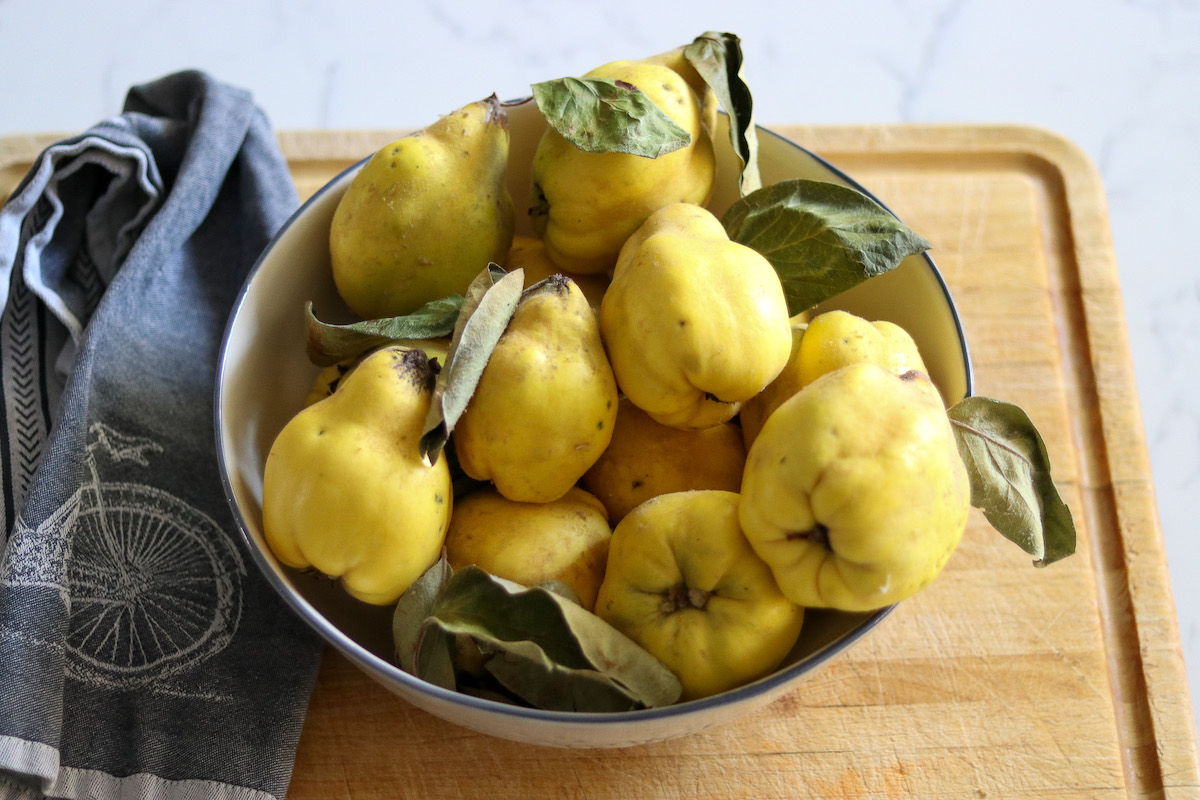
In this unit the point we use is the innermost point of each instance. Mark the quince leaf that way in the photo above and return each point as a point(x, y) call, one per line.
point(822, 238)
point(603, 115)
point(1010, 477)
point(329, 343)
point(717, 57)
point(488, 305)
point(544, 649)
point(524, 669)
point(422, 651)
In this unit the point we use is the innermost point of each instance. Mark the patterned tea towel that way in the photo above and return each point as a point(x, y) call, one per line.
point(141, 653)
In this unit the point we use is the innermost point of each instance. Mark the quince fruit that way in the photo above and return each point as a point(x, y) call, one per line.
point(646, 458)
point(754, 412)
point(836, 339)
point(676, 60)
point(854, 491)
point(694, 324)
point(545, 406)
point(330, 377)
point(327, 381)
point(585, 205)
point(829, 341)
point(529, 254)
point(531, 543)
point(345, 491)
point(389, 243)
point(683, 582)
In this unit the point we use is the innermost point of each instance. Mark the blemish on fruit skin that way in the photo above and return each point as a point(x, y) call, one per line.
point(636, 484)
point(437, 498)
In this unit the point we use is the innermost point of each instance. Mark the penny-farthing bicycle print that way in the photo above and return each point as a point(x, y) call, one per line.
point(155, 584)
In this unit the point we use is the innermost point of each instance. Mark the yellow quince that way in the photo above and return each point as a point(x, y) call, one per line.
point(854, 491)
point(390, 241)
point(330, 377)
point(545, 406)
point(646, 458)
point(754, 412)
point(837, 338)
point(585, 205)
point(529, 254)
point(345, 491)
point(683, 582)
point(327, 381)
point(676, 60)
point(531, 543)
point(829, 341)
point(694, 324)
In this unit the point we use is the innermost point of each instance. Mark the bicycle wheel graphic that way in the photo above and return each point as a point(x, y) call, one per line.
point(155, 586)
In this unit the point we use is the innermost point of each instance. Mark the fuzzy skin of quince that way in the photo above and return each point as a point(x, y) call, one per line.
point(683, 582)
point(531, 543)
point(829, 341)
point(425, 214)
point(694, 323)
point(545, 406)
point(585, 205)
point(854, 491)
point(646, 458)
point(345, 491)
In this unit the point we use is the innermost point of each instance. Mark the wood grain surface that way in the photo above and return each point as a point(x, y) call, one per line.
point(1000, 680)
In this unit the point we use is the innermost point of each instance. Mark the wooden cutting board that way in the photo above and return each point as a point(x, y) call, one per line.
point(1000, 680)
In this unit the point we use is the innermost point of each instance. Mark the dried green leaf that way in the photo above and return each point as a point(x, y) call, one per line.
point(488, 306)
point(1010, 477)
point(328, 343)
point(822, 238)
point(525, 671)
point(413, 608)
point(603, 115)
point(718, 58)
point(421, 649)
point(552, 653)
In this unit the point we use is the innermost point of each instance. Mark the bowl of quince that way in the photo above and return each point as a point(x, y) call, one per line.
point(604, 416)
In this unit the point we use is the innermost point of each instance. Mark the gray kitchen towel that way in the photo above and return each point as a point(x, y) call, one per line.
point(141, 654)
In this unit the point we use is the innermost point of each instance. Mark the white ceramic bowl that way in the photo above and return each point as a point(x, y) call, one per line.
point(264, 376)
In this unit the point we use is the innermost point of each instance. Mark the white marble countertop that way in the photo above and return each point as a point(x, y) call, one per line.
point(1120, 78)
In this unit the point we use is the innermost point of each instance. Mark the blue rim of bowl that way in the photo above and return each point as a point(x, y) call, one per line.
point(368, 661)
